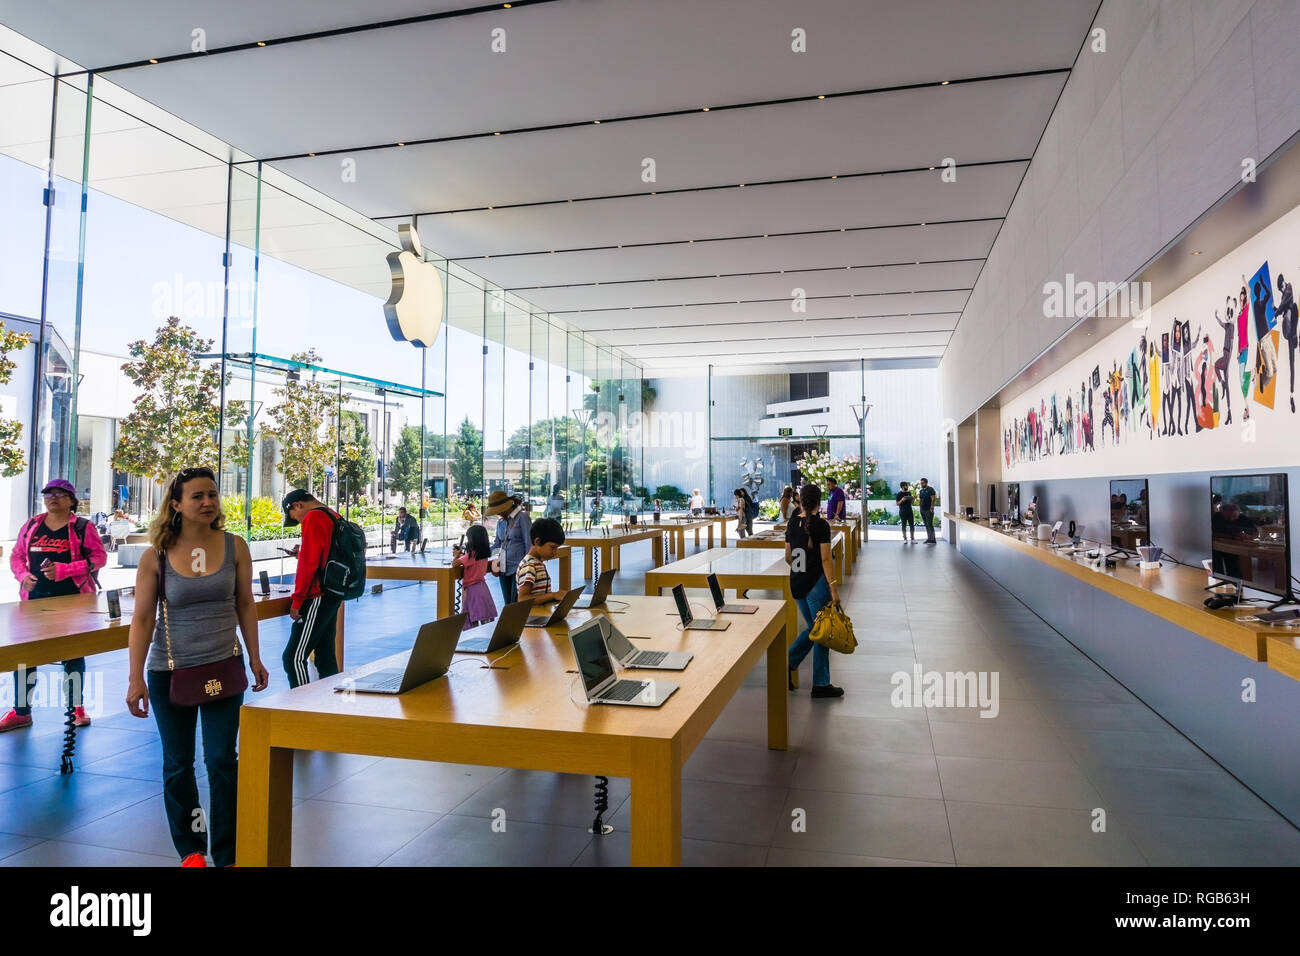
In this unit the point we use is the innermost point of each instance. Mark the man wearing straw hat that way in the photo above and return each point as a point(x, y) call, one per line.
point(513, 538)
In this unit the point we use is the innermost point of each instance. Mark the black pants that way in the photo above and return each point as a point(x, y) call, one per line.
point(312, 632)
point(908, 522)
point(927, 518)
point(176, 725)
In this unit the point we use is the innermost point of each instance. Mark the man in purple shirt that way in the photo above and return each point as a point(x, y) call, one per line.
point(835, 506)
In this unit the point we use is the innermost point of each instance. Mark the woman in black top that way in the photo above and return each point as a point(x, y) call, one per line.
point(808, 552)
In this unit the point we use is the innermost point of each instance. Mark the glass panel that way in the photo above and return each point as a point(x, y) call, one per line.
point(493, 386)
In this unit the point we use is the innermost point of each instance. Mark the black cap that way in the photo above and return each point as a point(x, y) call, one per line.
point(293, 498)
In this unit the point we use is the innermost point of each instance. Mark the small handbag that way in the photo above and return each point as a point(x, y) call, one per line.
point(202, 683)
point(833, 630)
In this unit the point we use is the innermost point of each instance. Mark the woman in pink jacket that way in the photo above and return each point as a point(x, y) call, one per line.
point(56, 554)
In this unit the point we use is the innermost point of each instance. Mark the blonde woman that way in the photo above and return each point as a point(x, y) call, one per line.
point(207, 592)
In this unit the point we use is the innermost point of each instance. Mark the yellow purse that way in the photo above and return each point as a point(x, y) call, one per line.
point(834, 630)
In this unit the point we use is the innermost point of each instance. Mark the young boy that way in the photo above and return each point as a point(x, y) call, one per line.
point(532, 579)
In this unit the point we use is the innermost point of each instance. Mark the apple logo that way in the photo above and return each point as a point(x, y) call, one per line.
point(414, 306)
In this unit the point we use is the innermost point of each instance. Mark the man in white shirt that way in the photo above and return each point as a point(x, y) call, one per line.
point(697, 502)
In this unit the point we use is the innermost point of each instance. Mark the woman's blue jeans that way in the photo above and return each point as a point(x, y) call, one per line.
point(809, 605)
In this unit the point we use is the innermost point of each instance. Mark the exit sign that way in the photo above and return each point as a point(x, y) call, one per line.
point(785, 432)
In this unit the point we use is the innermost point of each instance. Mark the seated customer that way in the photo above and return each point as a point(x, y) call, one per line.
point(532, 579)
point(405, 530)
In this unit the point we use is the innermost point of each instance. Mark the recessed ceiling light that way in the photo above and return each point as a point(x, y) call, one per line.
point(261, 43)
point(944, 83)
point(923, 224)
point(690, 240)
point(835, 177)
point(706, 109)
point(496, 134)
point(1197, 252)
point(742, 185)
point(931, 168)
point(151, 60)
point(311, 154)
point(401, 144)
point(506, 5)
point(821, 96)
point(597, 122)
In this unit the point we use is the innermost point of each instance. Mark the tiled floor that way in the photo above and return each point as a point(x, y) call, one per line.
point(864, 783)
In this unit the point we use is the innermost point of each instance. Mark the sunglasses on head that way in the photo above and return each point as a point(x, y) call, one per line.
point(191, 473)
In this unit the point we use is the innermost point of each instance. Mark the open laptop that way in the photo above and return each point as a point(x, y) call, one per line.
point(628, 655)
point(604, 584)
point(503, 632)
point(689, 621)
point(599, 681)
point(429, 660)
point(562, 608)
point(723, 607)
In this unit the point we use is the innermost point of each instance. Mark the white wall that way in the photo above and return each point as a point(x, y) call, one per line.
point(1146, 137)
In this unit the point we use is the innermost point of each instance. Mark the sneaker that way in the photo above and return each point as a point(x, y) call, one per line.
point(194, 859)
point(15, 721)
point(79, 718)
point(828, 690)
point(794, 679)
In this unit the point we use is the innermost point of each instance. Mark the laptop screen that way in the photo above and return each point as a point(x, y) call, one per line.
point(593, 659)
point(683, 608)
point(716, 588)
point(619, 646)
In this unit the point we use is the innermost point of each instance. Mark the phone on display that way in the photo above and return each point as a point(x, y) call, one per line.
point(114, 605)
point(265, 580)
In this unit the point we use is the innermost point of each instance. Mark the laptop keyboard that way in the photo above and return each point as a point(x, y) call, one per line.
point(649, 657)
point(624, 690)
point(472, 646)
point(391, 683)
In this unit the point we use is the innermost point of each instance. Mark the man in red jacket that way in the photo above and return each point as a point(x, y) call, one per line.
point(313, 612)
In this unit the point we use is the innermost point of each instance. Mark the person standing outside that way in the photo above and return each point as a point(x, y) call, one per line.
point(697, 502)
point(209, 593)
point(808, 553)
point(56, 554)
point(904, 499)
point(836, 507)
point(927, 496)
point(405, 530)
point(513, 538)
point(313, 612)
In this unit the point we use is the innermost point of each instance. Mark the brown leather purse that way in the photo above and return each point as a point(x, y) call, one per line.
point(202, 683)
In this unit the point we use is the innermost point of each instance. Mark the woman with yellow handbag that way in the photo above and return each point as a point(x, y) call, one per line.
point(808, 553)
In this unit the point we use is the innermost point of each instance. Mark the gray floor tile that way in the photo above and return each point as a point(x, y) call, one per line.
point(1185, 841)
point(830, 732)
point(990, 835)
point(869, 771)
point(725, 813)
point(315, 771)
point(93, 743)
point(615, 849)
point(904, 828)
point(54, 805)
point(140, 828)
point(535, 796)
point(11, 843)
point(988, 738)
point(1004, 711)
point(1029, 783)
point(337, 834)
point(14, 775)
point(869, 696)
point(410, 785)
point(726, 761)
point(1167, 748)
point(60, 853)
point(471, 841)
point(1184, 793)
point(783, 856)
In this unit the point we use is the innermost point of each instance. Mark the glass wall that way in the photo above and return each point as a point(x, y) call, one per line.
point(204, 311)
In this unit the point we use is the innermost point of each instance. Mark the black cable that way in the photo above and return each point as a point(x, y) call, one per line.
point(601, 802)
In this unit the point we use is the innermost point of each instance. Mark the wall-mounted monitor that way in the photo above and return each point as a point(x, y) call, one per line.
point(1249, 537)
point(1013, 500)
point(1130, 513)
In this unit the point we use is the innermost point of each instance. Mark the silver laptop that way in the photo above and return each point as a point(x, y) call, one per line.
point(689, 621)
point(502, 632)
point(723, 607)
point(429, 660)
point(604, 584)
point(599, 681)
point(628, 655)
point(562, 608)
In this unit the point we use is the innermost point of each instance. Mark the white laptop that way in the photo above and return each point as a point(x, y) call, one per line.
point(599, 681)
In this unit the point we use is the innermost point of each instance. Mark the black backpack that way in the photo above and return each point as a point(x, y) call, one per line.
point(344, 573)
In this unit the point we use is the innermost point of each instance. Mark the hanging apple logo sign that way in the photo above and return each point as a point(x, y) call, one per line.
point(414, 307)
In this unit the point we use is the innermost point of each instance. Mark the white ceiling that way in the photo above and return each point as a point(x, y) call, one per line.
point(679, 279)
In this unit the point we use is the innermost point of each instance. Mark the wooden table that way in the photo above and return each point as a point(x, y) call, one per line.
point(520, 715)
point(439, 569)
point(738, 569)
point(47, 630)
point(850, 532)
point(677, 532)
point(776, 540)
point(603, 551)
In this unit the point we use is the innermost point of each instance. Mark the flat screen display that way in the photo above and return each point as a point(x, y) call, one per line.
point(1013, 501)
point(1130, 513)
point(683, 606)
point(1249, 537)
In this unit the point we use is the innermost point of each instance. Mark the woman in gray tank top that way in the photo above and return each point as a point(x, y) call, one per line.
point(209, 587)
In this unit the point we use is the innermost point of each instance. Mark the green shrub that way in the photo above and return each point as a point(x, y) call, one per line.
point(769, 509)
point(882, 516)
point(667, 493)
point(879, 488)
